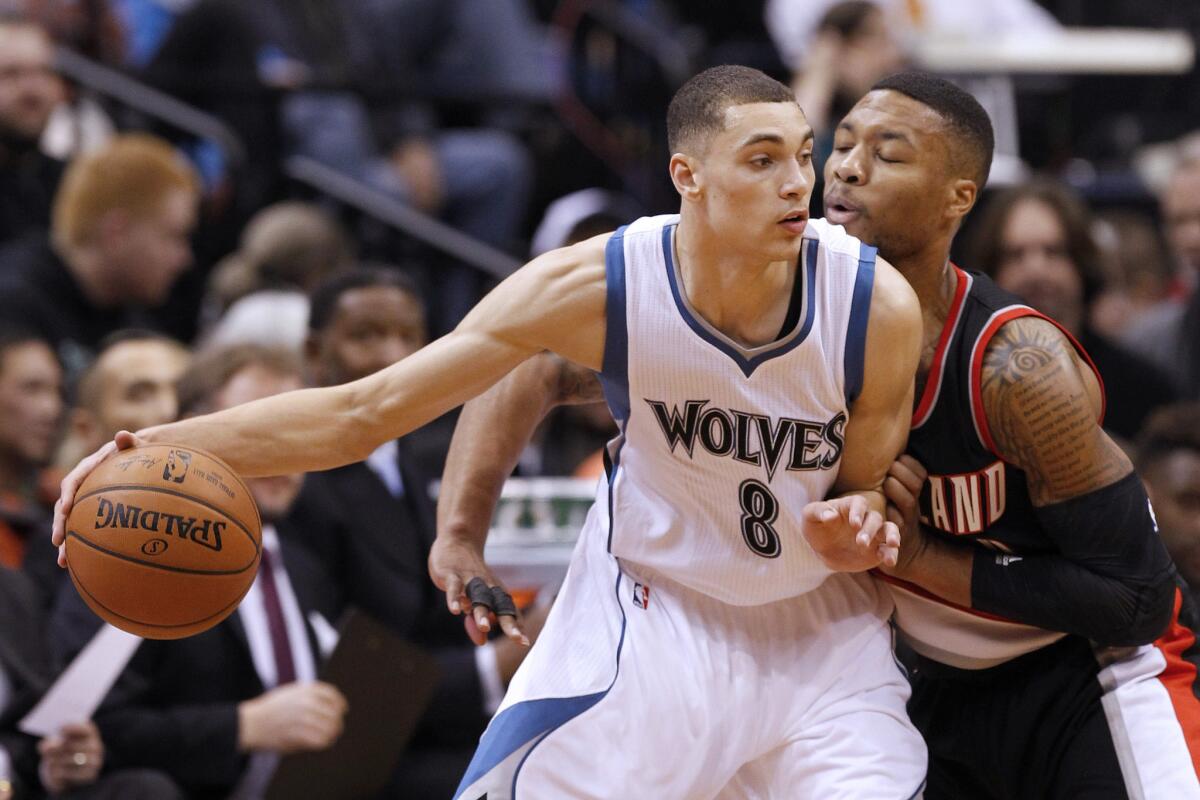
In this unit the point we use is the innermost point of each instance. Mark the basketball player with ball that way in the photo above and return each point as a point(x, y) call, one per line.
point(760, 367)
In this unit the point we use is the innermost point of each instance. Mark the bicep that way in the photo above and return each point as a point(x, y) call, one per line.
point(878, 423)
point(1041, 406)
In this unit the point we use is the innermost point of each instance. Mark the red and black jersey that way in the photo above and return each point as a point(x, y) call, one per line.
point(972, 493)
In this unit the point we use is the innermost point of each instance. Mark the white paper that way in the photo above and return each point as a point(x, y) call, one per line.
point(83, 684)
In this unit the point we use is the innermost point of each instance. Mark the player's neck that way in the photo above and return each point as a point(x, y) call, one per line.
point(743, 298)
point(931, 277)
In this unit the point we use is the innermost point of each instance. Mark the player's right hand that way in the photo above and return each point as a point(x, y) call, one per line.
point(457, 568)
point(848, 535)
point(71, 483)
point(292, 718)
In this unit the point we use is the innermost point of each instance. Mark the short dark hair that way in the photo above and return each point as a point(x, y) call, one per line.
point(1171, 428)
point(698, 108)
point(962, 113)
point(846, 18)
point(986, 246)
point(212, 369)
point(324, 299)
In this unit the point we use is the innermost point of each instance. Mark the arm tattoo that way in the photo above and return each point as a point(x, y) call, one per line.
point(577, 385)
point(1041, 417)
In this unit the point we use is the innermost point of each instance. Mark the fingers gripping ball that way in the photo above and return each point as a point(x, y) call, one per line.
point(163, 541)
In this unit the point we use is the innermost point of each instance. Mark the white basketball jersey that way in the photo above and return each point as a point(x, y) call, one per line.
point(721, 446)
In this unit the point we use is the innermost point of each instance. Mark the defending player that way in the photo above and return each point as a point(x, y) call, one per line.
point(1037, 594)
point(700, 647)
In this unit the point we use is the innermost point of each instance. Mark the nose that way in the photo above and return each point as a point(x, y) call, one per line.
point(849, 167)
point(796, 182)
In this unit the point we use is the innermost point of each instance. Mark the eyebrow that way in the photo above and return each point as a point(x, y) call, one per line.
point(887, 136)
point(773, 138)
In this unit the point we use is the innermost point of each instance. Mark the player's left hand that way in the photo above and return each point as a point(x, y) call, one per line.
point(902, 488)
point(848, 535)
point(71, 758)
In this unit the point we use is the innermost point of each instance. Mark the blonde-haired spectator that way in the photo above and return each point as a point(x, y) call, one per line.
point(120, 230)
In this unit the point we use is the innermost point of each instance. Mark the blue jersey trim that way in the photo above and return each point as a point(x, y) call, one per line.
point(746, 365)
point(614, 372)
point(600, 696)
point(532, 720)
point(856, 329)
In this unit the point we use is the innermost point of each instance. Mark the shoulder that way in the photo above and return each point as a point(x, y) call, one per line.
point(1024, 348)
point(894, 304)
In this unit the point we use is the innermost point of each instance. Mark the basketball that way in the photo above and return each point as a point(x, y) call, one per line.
point(163, 541)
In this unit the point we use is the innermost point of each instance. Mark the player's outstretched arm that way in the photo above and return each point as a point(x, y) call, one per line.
point(491, 433)
point(849, 532)
point(1112, 580)
point(555, 302)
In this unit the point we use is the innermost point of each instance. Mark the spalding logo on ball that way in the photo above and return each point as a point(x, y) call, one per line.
point(163, 541)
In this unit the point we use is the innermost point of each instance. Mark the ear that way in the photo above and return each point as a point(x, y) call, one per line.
point(963, 194)
point(112, 228)
point(687, 182)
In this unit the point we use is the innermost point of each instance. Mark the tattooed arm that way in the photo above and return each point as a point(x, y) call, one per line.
point(1111, 580)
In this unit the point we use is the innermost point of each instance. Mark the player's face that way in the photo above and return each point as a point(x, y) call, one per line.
point(1174, 485)
point(1035, 263)
point(887, 180)
point(274, 495)
point(755, 179)
point(1181, 212)
point(30, 402)
point(372, 328)
point(138, 386)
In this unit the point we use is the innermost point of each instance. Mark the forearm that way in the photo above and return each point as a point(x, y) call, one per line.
point(939, 566)
point(492, 431)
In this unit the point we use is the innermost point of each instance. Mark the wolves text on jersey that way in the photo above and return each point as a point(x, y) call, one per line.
point(754, 439)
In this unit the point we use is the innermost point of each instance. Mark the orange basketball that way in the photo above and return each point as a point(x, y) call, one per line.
point(163, 541)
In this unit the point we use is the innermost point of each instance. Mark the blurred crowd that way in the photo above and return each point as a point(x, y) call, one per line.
point(149, 273)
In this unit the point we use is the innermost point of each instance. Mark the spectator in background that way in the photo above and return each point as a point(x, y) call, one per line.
point(1169, 335)
point(1137, 270)
point(1168, 459)
point(130, 386)
point(29, 92)
point(30, 414)
point(120, 229)
point(1035, 241)
point(259, 293)
point(361, 322)
point(853, 47)
point(70, 764)
point(216, 710)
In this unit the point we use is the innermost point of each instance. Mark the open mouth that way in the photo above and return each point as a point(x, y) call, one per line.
point(796, 222)
point(840, 212)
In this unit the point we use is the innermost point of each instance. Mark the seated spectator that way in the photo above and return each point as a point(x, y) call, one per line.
point(72, 764)
point(286, 246)
point(361, 322)
point(1137, 270)
point(130, 386)
point(30, 414)
point(216, 710)
point(1035, 241)
point(1168, 459)
point(120, 229)
point(1167, 335)
point(29, 91)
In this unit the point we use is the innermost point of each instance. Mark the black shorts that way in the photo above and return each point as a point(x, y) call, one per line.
point(1057, 723)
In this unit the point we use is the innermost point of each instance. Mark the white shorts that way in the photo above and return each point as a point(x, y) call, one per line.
point(640, 687)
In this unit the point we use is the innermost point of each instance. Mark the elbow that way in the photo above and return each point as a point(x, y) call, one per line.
point(1147, 618)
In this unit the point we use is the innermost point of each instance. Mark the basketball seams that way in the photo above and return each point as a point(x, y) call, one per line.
point(124, 487)
point(164, 567)
point(217, 616)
